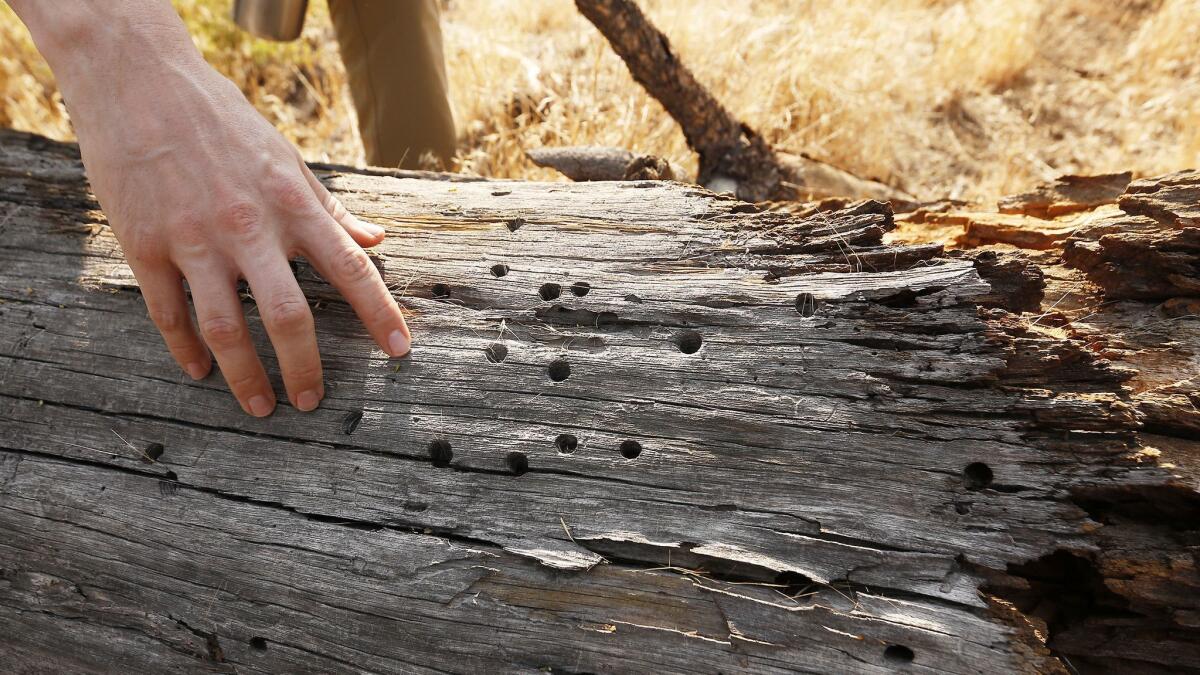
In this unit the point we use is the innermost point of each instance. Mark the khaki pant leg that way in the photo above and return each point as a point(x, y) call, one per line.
point(393, 55)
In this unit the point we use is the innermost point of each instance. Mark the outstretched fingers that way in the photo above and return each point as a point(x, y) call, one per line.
point(223, 326)
point(344, 264)
point(289, 323)
point(166, 302)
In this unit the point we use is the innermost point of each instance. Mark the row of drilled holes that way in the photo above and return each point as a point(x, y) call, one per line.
point(975, 476)
point(688, 342)
point(440, 452)
point(547, 291)
point(806, 303)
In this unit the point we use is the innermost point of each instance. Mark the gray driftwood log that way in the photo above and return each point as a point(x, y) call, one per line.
point(644, 429)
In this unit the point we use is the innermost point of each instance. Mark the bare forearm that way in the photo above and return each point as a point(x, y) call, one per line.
point(67, 33)
point(94, 47)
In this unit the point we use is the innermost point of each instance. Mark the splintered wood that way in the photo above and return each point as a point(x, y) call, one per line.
point(643, 429)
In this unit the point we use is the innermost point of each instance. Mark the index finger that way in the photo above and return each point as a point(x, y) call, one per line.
point(345, 265)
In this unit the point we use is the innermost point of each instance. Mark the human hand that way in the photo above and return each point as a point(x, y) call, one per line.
point(198, 186)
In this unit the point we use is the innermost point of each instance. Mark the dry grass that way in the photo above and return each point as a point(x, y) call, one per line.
point(964, 98)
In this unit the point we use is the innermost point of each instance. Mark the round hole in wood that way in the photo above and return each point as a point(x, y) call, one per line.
point(499, 270)
point(566, 443)
point(793, 583)
point(689, 341)
point(515, 224)
point(440, 290)
point(806, 304)
point(977, 476)
point(630, 449)
point(258, 644)
point(496, 352)
point(898, 654)
point(350, 421)
point(152, 453)
point(517, 463)
point(581, 288)
point(549, 291)
point(440, 453)
point(560, 370)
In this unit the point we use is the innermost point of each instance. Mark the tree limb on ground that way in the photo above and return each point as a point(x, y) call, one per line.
point(733, 156)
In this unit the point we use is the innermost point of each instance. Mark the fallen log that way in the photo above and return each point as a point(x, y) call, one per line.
point(587, 163)
point(643, 428)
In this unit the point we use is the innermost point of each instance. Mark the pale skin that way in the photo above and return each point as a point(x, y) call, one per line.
point(199, 187)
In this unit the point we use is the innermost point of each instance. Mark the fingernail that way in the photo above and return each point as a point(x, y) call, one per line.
point(308, 400)
point(372, 229)
point(260, 406)
point(397, 343)
point(196, 370)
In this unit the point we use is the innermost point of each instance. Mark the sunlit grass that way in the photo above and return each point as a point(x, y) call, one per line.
point(965, 98)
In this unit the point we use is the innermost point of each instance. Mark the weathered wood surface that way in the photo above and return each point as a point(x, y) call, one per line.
point(780, 447)
point(1068, 194)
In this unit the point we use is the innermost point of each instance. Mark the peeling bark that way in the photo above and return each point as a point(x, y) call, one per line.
point(1068, 194)
point(781, 446)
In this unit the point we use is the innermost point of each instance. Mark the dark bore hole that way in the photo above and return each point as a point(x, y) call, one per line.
point(440, 291)
point(258, 644)
point(517, 462)
point(499, 269)
point(898, 654)
point(560, 370)
point(580, 288)
point(440, 453)
point(152, 452)
point(550, 291)
point(806, 304)
point(566, 443)
point(350, 421)
point(496, 352)
point(793, 583)
point(631, 449)
point(977, 476)
point(515, 224)
point(689, 341)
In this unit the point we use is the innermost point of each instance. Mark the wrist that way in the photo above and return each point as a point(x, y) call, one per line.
point(91, 46)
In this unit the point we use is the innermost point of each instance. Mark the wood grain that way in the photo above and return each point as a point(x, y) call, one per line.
point(780, 447)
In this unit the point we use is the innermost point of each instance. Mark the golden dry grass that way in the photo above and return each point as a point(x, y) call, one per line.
point(962, 98)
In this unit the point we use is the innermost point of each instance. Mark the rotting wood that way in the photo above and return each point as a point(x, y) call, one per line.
point(1068, 194)
point(1121, 279)
point(780, 446)
point(1150, 250)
